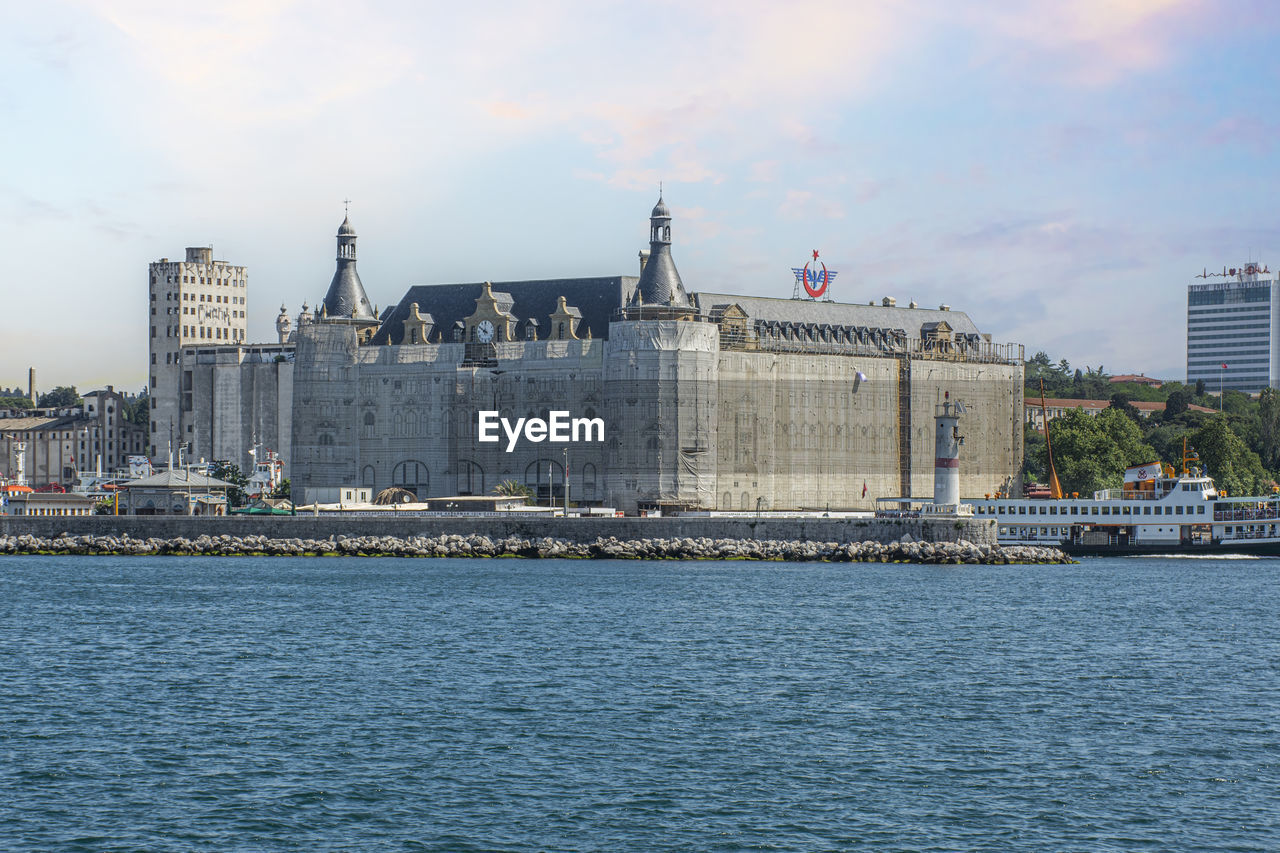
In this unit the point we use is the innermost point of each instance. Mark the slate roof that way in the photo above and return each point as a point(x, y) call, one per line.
point(345, 292)
point(179, 479)
point(660, 282)
point(910, 320)
point(449, 304)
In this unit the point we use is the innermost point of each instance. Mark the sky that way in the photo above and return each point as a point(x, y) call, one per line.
point(1059, 170)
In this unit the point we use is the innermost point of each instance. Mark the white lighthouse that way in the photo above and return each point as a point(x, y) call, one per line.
point(20, 462)
point(946, 462)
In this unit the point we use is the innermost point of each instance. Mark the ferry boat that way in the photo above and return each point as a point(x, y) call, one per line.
point(1157, 511)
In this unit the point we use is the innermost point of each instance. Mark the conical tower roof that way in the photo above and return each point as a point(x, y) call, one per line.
point(346, 298)
point(660, 282)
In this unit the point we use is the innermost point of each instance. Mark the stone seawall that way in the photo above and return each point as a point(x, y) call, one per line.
point(454, 545)
point(577, 530)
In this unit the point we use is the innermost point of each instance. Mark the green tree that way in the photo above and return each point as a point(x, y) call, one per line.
point(1199, 388)
point(513, 489)
point(1034, 467)
point(1237, 402)
point(23, 403)
point(1038, 365)
point(1120, 402)
point(1235, 468)
point(1091, 453)
point(283, 490)
point(1176, 404)
point(60, 398)
point(230, 472)
point(1269, 427)
point(139, 411)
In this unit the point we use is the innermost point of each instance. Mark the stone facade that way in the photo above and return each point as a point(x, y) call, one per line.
point(691, 419)
point(710, 401)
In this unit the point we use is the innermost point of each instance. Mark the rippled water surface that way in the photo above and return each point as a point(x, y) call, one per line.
point(324, 704)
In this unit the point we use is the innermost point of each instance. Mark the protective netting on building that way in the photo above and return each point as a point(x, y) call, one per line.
point(690, 423)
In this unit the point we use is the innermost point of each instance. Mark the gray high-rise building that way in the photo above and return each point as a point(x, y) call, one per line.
point(1231, 329)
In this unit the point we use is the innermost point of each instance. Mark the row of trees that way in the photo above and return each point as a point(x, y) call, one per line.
point(1238, 444)
point(65, 396)
point(61, 397)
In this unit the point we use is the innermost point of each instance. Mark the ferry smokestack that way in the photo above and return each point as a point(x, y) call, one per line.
point(946, 463)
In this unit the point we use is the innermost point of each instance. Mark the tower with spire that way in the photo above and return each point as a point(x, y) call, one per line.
point(346, 301)
point(660, 285)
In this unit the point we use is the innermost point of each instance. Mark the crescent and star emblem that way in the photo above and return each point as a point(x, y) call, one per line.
point(815, 292)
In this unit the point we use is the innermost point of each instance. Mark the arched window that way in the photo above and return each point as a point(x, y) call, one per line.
point(470, 478)
point(536, 478)
point(411, 475)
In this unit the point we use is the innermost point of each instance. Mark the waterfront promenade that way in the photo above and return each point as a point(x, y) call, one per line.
point(977, 531)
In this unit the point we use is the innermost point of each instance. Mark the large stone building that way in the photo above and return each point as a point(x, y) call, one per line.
point(709, 400)
point(55, 445)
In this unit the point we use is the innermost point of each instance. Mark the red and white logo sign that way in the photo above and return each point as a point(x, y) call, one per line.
point(1140, 473)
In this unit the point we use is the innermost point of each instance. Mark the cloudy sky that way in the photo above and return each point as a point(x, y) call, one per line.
point(1060, 170)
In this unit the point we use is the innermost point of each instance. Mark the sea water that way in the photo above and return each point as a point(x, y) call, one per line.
point(383, 704)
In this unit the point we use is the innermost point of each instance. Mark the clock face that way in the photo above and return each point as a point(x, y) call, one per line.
point(484, 331)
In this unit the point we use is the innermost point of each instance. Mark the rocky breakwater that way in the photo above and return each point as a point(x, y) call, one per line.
point(905, 550)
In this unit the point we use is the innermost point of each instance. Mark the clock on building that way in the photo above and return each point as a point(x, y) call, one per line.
point(484, 331)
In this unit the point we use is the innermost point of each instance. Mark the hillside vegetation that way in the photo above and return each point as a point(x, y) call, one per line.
point(1238, 443)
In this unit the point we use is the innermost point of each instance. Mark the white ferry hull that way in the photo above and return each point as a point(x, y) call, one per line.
point(1171, 515)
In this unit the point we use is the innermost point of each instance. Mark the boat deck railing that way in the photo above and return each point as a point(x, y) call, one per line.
point(1128, 495)
point(1269, 512)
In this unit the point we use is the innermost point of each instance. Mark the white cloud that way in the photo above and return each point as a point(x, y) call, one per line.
point(803, 204)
